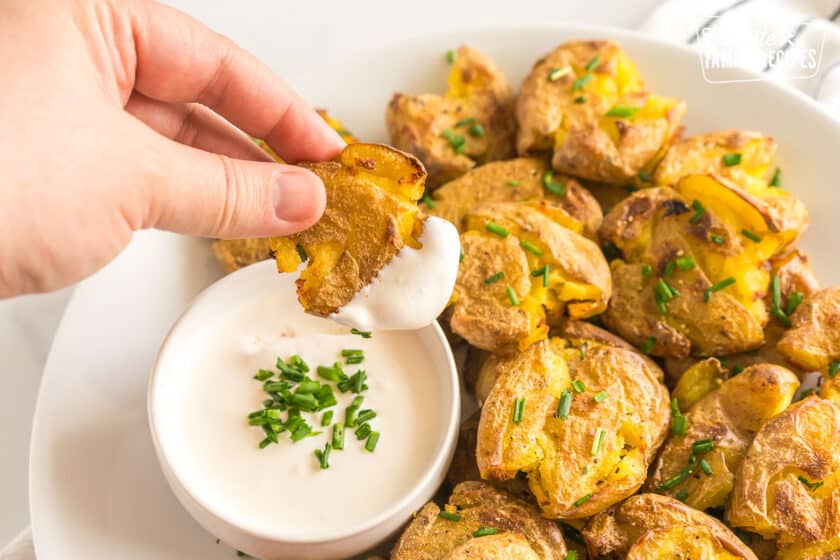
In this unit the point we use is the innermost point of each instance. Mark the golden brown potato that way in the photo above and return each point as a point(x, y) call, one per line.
point(371, 214)
point(697, 381)
point(726, 419)
point(518, 180)
point(788, 485)
point(745, 159)
point(581, 418)
point(695, 265)
point(652, 526)
point(586, 104)
point(233, 254)
point(471, 124)
point(501, 303)
point(477, 504)
point(813, 342)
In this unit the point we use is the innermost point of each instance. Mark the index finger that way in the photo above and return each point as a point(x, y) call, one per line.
point(181, 60)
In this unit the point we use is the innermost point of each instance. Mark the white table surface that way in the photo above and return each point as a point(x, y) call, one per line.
point(310, 30)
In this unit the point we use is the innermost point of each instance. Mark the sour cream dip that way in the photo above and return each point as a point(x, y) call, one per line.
point(275, 500)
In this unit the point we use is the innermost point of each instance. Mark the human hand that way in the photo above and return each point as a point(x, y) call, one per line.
point(116, 116)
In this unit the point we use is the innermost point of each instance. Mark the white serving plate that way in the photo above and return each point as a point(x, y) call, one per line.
point(95, 487)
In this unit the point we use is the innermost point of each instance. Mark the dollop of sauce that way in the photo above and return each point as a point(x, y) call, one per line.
point(413, 288)
point(281, 490)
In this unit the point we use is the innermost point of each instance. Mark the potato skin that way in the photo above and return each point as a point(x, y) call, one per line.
point(477, 90)
point(813, 342)
point(770, 499)
point(430, 537)
point(729, 416)
point(557, 453)
point(585, 141)
point(233, 254)
point(617, 531)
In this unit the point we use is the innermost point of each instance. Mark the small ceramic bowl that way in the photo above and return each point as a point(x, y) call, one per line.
point(260, 280)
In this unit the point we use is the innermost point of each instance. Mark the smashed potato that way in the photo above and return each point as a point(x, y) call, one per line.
point(650, 526)
point(518, 180)
point(471, 124)
point(580, 418)
point(585, 103)
point(694, 273)
point(718, 429)
point(371, 214)
point(478, 507)
point(521, 273)
point(813, 342)
point(788, 485)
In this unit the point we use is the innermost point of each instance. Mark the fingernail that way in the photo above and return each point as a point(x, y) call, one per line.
point(298, 195)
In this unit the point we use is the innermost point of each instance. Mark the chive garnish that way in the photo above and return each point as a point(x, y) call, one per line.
point(731, 159)
point(545, 276)
point(776, 304)
point(580, 99)
point(323, 456)
point(327, 417)
point(590, 66)
point(348, 352)
point(366, 334)
point(513, 183)
point(350, 412)
point(685, 263)
point(265, 443)
point(645, 177)
point(679, 424)
point(365, 415)
point(512, 296)
point(794, 299)
point(551, 185)
point(518, 409)
point(717, 238)
point(476, 130)
point(669, 269)
point(466, 121)
point(483, 531)
point(600, 396)
point(702, 446)
point(499, 230)
point(578, 386)
point(263, 374)
point(705, 467)
point(597, 442)
point(334, 373)
point(776, 180)
point(494, 278)
point(622, 111)
point(338, 436)
point(676, 479)
point(810, 485)
point(450, 56)
point(564, 405)
point(558, 73)
point(833, 368)
point(363, 431)
point(302, 430)
point(751, 236)
point(301, 252)
point(646, 270)
point(461, 255)
point(699, 210)
point(648, 345)
point(372, 440)
point(571, 555)
point(530, 247)
point(682, 495)
point(582, 500)
point(352, 360)
point(449, 516)
point(581, 82)
point(427, 200)
point(716, 287)
point(735, 370)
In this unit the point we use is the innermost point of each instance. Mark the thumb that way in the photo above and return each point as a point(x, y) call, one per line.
point(199, 193)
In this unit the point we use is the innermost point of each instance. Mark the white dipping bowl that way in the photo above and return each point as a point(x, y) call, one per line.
point(261, 281)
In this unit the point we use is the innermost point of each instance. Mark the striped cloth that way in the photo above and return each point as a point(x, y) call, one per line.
point(785, 28)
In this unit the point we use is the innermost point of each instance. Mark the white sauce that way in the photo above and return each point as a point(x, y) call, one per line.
point(280, 490)
point(413, 288)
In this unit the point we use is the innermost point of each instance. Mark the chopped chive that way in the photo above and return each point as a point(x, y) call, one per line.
point(530, 247)
point(664, 291)
point(499, 230)
point(326, 418)
point(646, 270)
point(597, 442)
point(347, 352)
point(512, 296)
point(810, 485)
point(335, 373)
point(705, 467)
point(685, 263)
point(372, 440)
point(304, 401)
point(427, 200)
point(716, 238)
point(365, 415)
point(794, 299)
point(513, 183)
point(776, 304)
point(600, 396)
point(558, 73)
point(551, 185)
point(476, 130)
point(645, 177)
point(833, 368)
point(301, 252)
point(676, 479)
point(622, 111)
point(518, 409)
point(494, 278)
point(367, 334)
point(450, 56)
point(581, 82)
point(669, 269)
point(571, 555)
point(592, 64)
point(483, 531)
point(353, 360)
point(579, 100)
point(461, 255)
point(466, 121)
point(776, 180)
point(578, 386)
point(699, 210)
point(449, 516)
point(338, 436)
point(350, 412)
point(716, 287)
point(679, 425)
point(323, 456)
point(308, 386)
point(302, 431)
point(702, 446)
point(564, 405)
point(363, 431)
point(648, 345)
point(582, 500)
point(682, 495)
point(731, 159)
point(263, 374)
point(265, 443)
point(751, 236)
point(545, 276)
point(735, 370)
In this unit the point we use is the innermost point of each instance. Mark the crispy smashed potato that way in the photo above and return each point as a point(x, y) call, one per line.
point(503, 301)
point(371, 214)
point(788, 485)
point(726, 419)
point(582, 419)
point(431, 536)
point(586, 104)
point(518, 180)
point(649, 526)
point(694, 273)
point(813, 342)
point(471, 124)
point(745, 159)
